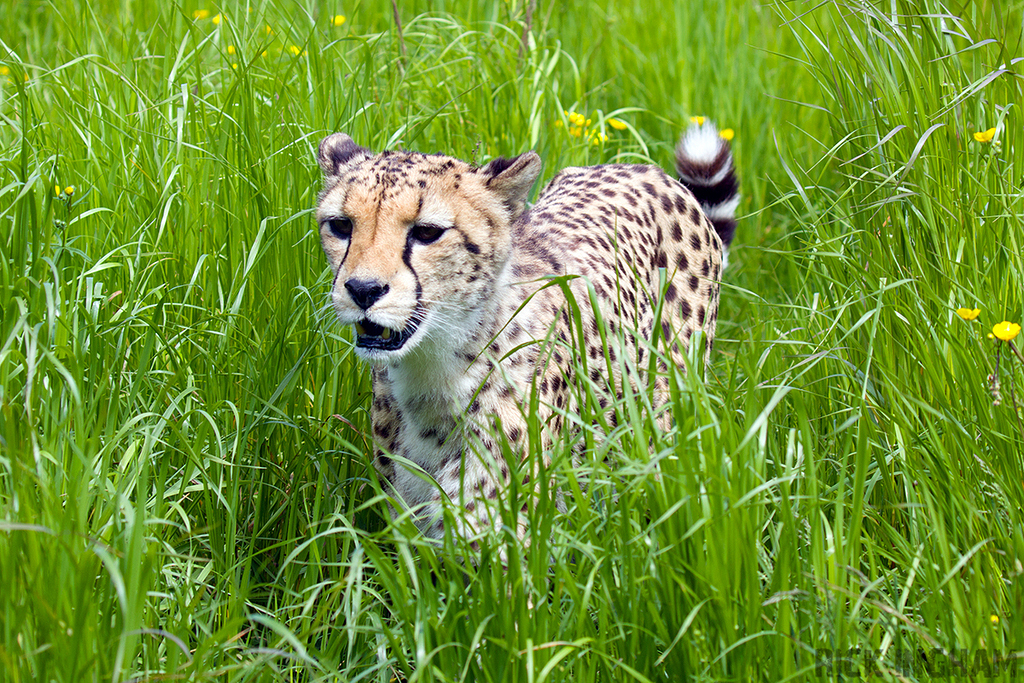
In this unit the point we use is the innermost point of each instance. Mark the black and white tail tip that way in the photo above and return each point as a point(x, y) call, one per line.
point(704, 164)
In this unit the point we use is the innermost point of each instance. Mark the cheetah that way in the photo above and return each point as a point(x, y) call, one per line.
point(451, 284)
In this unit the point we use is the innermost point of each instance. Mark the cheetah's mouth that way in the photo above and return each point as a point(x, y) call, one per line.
point(370, 335)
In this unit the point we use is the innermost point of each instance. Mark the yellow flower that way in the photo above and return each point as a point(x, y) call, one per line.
point(337, 20)
point(985, 135)
point(269, 30)
point(727, 134)
point(616, 124)
point(5, 71)
point(558, 123)
point(968, 313)
point(295, 50)
point(70, 190)
point(234, 65)
point(699, 120)
point(216, 20)
point(1006, 330)
point(231, 49)
point(201, 14)
point(994, 619)
point(56, 189)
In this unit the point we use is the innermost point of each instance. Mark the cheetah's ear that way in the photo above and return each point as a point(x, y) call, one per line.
point(336, 151)
point(511, 179)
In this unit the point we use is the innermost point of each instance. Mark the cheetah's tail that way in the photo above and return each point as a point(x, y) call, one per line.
point(704, 164)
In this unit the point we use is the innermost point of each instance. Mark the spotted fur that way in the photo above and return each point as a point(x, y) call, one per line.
point(447, 279)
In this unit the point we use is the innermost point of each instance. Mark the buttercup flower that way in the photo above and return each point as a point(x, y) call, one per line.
point(579, 126)
point(577, 123)
point(216, 20)
point(727, 134)
point(699, 120)
point(201, 14)
point(337, 20)
point(994, 619)
point(968, 313)
point(70, 190)
point(56, 189)
point(1006, 330)
point(295, 50)
point(231, 49)
point(985, 135)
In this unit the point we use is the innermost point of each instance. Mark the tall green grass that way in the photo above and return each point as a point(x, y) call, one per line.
point(184, 481)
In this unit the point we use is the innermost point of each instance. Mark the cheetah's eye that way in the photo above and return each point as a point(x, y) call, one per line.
point(425, 233)
point(340, 227)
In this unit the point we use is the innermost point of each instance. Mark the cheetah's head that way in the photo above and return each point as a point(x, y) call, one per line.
point(416, 243)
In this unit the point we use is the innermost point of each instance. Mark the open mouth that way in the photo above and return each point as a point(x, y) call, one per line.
point(370, 335)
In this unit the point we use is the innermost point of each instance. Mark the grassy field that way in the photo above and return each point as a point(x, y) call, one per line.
point(184, 484)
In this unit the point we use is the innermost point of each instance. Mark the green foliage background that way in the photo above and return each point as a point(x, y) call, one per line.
point(184, 488)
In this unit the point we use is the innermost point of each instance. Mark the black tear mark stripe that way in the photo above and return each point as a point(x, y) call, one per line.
point(348, 245)
point(407, 260)
point(348, 242)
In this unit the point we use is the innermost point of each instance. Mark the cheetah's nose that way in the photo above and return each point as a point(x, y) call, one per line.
point(365, 293)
